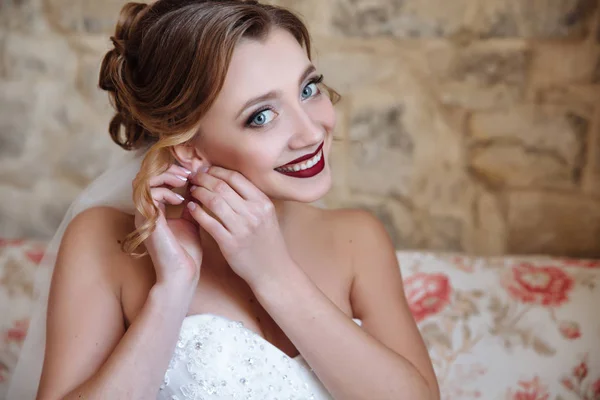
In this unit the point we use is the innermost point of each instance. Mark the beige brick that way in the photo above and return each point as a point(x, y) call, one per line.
point(441, 18)
point(530, 145)
point(85, 15)
point(591, 176)
point(563, 63)
point(487, 232)
point(24, 16)
point(553, 223)
point(32, 57)
point(481, 76)
point(569, 95)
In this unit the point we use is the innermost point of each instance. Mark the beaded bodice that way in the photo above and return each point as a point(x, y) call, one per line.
point(216, 358)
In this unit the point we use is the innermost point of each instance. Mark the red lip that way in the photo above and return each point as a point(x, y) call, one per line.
point(307, 173)
point(303, 158)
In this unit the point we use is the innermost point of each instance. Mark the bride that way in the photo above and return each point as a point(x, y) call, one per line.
point(196, 268)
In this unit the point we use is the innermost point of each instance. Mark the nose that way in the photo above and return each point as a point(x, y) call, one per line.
point(307, 131)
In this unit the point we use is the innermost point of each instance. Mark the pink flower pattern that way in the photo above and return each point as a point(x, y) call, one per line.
point(547, 286)
point(570, 330)
point(530, 390)
point(427, 294)
point(18, 332)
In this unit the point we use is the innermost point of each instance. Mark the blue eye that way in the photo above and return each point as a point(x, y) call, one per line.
point(312, 89)
point(261, 118)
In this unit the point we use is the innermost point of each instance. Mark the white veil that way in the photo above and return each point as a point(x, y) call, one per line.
point(112, 188)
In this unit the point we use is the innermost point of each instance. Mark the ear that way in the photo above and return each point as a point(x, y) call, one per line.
point(190, 157)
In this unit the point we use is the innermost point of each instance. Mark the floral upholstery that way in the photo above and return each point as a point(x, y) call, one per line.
point(508, 328)
point(18, 263)
point(513, 328)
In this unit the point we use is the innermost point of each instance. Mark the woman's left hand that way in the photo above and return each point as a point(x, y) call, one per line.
point(246, 228)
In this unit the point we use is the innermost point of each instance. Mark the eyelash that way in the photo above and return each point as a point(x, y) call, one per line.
point(316, 80)
point(257, 113)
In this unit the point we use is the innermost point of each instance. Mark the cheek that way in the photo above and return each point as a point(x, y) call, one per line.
point(324, 113)
point(251, 155)
point(225, 156)
point(251, 159)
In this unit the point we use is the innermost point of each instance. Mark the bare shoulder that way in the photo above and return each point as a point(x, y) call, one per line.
point(356, 229)
point(85, 319)
point(99, 221)
point(356, 235)
point(94, 238)
point(100, 228)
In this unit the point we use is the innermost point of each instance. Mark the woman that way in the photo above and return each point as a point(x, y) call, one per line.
point(235, 128)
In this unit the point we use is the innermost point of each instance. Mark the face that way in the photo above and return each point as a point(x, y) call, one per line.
point(271, 121)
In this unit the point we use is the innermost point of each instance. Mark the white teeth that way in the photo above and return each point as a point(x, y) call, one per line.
point(303, 165)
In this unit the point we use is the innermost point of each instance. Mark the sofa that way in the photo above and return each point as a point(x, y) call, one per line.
point(515, 328)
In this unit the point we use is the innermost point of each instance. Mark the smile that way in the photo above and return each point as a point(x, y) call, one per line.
point(305, 167)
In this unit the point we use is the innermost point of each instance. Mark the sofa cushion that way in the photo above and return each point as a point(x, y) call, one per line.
point(508, 328)
point(18, 263)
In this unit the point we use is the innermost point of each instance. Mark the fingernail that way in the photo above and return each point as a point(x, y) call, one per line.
point(187, 171)
point(191, 205)
point(180, 197)
point(204, 168)
point(193, 188)
point(183, 178)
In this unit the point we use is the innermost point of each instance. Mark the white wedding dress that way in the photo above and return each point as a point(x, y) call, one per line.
point(214, 359)
point(217, 359)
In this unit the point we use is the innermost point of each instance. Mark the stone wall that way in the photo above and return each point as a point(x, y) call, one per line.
point(466, 125)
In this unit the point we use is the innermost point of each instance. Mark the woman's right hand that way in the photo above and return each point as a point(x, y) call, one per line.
point(174, 246)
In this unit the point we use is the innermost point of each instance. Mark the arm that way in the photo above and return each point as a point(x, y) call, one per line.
point(249, 235)
point(387, 358)
point(88, 352)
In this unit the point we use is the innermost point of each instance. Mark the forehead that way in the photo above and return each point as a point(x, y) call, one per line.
point(259, 66)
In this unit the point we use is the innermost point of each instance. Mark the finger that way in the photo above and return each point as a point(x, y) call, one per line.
point(161, 196)
point(168, 178)
point(166, 196)
point(185, 213)
point(208, 223)
point(237, 181)
point(177, 169)
point(217, 205)
point(222, 188)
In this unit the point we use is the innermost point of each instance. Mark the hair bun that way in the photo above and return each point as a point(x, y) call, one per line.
point(114, 62)
point(134, 135)
point(128, 19)
point(114, 79)
point(119, 45)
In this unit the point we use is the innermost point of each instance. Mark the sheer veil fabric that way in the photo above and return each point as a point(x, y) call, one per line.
point(112, 188)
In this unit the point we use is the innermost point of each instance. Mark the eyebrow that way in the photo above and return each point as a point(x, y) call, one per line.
point(274, 93)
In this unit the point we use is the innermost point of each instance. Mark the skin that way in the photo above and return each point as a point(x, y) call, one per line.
point(243, 244)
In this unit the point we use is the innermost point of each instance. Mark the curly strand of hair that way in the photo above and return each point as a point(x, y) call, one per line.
point(111, 80)
point(119, 45)
point(156, 161)
point(133, 136)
